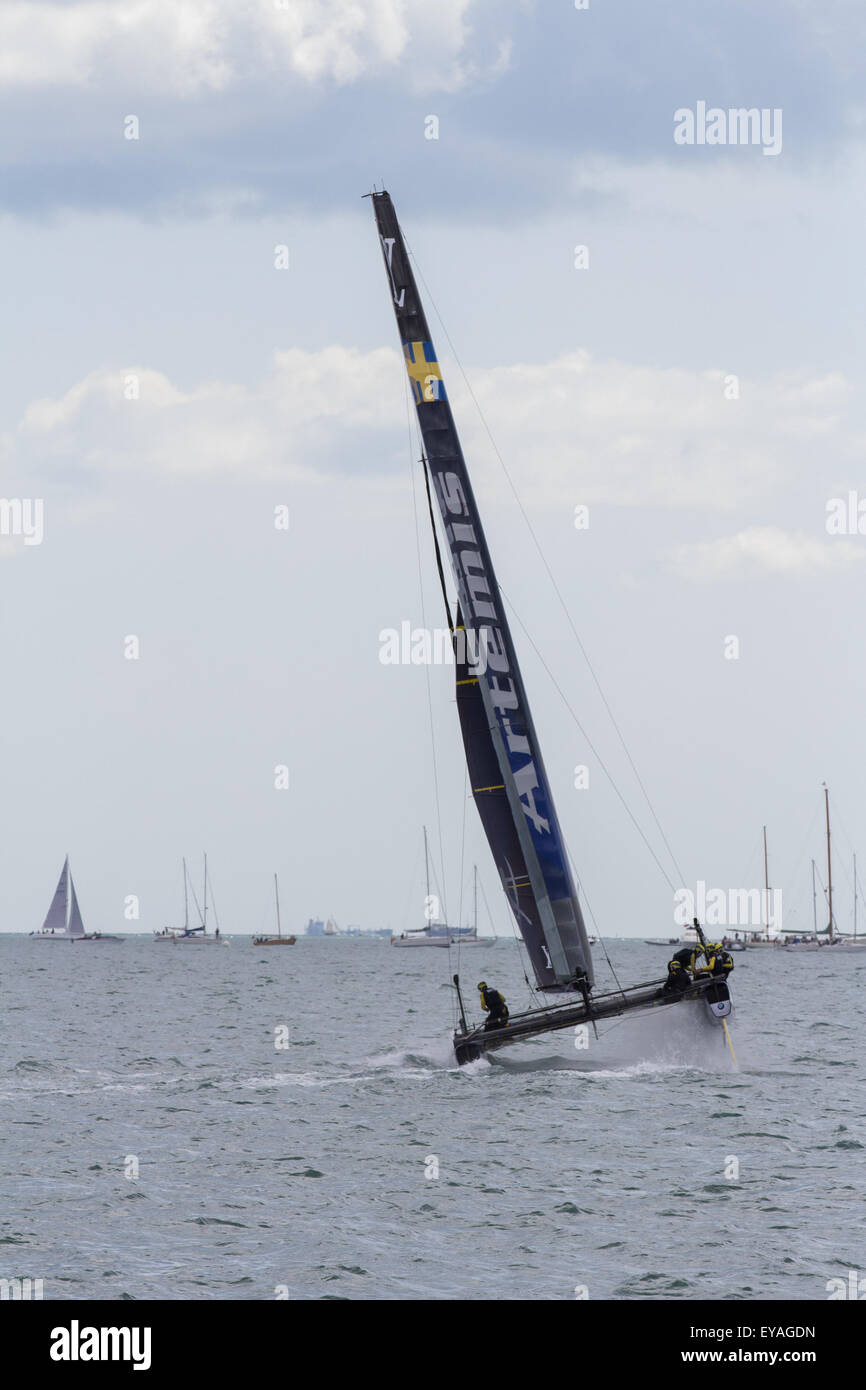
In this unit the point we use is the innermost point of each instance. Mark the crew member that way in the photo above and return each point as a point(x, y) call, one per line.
point(494, 1005)
point(719, 961)
point(678, 976)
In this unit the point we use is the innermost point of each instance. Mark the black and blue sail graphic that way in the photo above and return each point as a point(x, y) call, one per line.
point(509, 782)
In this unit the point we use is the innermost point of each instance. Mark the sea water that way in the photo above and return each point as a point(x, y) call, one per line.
point(259, 1123)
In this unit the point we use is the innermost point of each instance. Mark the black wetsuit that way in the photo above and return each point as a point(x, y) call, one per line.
point(497, 1009)
point(678, 978)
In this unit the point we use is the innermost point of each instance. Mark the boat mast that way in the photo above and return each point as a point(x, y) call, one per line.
point(766, 891)
point(475, 896)
point(426, 879)
point(829, 869)
point(185, 900)
point(855, 895)
point(277, 897)
point(205, 894)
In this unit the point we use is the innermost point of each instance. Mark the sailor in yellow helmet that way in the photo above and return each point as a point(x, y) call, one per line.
point(493, 1004)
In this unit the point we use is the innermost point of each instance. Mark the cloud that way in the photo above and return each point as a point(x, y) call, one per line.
point(764, 550)
point(572, 430)
point(192, 47)
point(276, 103)
point(308, 414)
point(625, 434)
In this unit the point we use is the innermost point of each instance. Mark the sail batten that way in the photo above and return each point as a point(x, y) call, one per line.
point(507, 774)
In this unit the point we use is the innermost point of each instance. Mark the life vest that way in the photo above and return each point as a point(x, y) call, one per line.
point(685, 958)
point(491, 999)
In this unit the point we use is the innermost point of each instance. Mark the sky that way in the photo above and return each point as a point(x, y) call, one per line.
point(198, 338)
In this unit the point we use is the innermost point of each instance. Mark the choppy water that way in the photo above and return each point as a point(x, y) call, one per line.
point(305, 1166)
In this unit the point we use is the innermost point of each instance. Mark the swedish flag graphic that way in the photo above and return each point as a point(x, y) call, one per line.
point(424, 372)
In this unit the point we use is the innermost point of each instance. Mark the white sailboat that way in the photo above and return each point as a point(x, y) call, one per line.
point(191, 935)
point(439, 933)
point(63, 920)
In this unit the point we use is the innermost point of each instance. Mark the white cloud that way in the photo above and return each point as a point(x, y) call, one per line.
point(764, 550)
point(313, 407)
point(572, 430)
point(191, 46)
point(617, 433)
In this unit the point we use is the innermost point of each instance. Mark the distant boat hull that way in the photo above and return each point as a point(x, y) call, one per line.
point(65, 936)
point(421, 940)
point(192, 938)
point(814, 945)
point(446, 939)
point(273, 941)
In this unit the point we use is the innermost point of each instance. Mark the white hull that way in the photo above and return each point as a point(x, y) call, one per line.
point(178, 939)
point(814, 945)
point(442, 941)
point(423, 939)
point(64, 936)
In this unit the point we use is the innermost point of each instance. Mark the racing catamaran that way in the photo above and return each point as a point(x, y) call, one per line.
point(507, 775)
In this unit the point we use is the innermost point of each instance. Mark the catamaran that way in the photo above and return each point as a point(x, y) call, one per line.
point(63, 919)
point(192, 935)
point(507, 776)
point(279, 939)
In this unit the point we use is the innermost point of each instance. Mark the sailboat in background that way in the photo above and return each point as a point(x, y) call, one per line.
point(855, 940)
point(507, 775)
point(198, 935)
point(279, 939)
point(468, 936)
point(436, 933)
point(829, 936)
point(740, 938)
point(63, 919)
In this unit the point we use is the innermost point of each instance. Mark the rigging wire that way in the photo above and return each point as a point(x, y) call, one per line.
point(462, 860)
point(590, 743)
point(424, 623)
point(551, 577)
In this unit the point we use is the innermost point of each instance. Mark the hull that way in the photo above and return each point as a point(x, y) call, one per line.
point(441, 941)
point(711, 994)
point(178, 939)
point(63, 936)
point(815, 945)
point(273, 941)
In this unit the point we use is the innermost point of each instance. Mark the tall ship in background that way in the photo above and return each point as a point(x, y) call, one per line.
point(63, 920)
